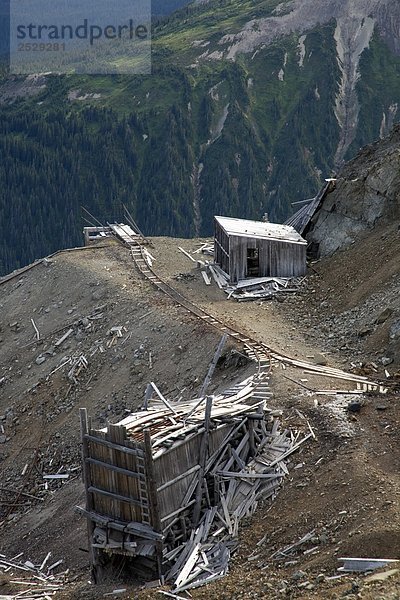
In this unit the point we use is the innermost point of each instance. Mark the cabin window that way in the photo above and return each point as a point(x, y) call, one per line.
point(253, 265)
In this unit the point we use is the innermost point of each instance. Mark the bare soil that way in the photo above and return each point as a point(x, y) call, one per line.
point(343, 486)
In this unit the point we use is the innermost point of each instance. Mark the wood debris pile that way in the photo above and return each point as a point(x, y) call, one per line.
point(39, 581)
point(259, 288)
point(168, 486)
point(239, 488)
point(263, 288)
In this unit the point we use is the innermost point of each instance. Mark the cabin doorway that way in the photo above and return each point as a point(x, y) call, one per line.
point(253, 264)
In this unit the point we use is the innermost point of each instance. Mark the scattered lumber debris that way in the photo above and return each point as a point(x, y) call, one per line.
point(263, 288)
point(186, 254)
point(205, 248)
point(291, 549)
point(351, 565)
point(168, 486)
point(77, 366)
point(206, 278)
point(259, 288)
point(34, 581)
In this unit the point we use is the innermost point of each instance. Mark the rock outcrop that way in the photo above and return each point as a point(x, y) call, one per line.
point(368, 189)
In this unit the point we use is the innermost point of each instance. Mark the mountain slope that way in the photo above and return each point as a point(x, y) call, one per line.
point(250, 104)
point(366, 194)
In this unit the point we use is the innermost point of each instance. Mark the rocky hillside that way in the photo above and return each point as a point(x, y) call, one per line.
point(249, 105)
point(341, 494)
point(367, 192)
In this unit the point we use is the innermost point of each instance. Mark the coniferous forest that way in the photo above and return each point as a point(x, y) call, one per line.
point(178, 146)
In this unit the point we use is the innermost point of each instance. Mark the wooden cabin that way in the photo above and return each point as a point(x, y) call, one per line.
point(250, 249)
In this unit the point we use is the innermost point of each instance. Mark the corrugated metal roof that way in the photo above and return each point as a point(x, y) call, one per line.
point(259, 229)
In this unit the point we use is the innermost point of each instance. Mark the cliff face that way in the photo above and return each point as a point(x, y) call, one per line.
point(388, 19)
point(367, 190)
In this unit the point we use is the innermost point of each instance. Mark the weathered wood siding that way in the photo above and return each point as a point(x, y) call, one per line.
point(176, 462)
point(276, 258)
point(106, 485)
point(221, 247)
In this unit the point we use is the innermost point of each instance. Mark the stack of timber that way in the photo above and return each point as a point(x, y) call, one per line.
point(166, 487)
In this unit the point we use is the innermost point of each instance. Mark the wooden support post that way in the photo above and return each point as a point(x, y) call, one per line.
point(252, 445)
point(148, 395)
point(93, 553)
point(213, 364)
point(152, 496)
point(202, 462)
point(182, 521)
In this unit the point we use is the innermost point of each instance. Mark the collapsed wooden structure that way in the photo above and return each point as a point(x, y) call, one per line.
point(125, 233)
point(95, 234)
point(244, 248)
point(167, 486)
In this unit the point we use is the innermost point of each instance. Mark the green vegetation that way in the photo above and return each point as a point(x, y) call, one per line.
point(196, 138)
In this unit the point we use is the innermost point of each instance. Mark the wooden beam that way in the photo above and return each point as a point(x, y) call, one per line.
point(176, 512)
point(159, 394)
point(252, 445)
point(93, 554)
point(240, 475)
point(178, 478)
point(110, 467)
point(152, 495)
point(113, 495)
point(112, 446)
point(186, 254)
point(140, 529)
point(213, 364)
point(202, 461)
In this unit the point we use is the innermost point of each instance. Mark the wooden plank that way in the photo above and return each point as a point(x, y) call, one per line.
point(202, 460)
point(244, 475)
point(140, 529)
point(176, 512)
point(159, 394)
point(113, 495)
point(191, 561)
point(213, 364)
point(151, 483)
point(186, 254)
point(364, 564)
point(250, 425)
point(291, 450)
point(178, 478)
point(216, 277)
point(63, 338)
point(206, 278)
point(93, 554)
point(111, 467)
point(107, 444)
point(226, 514)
